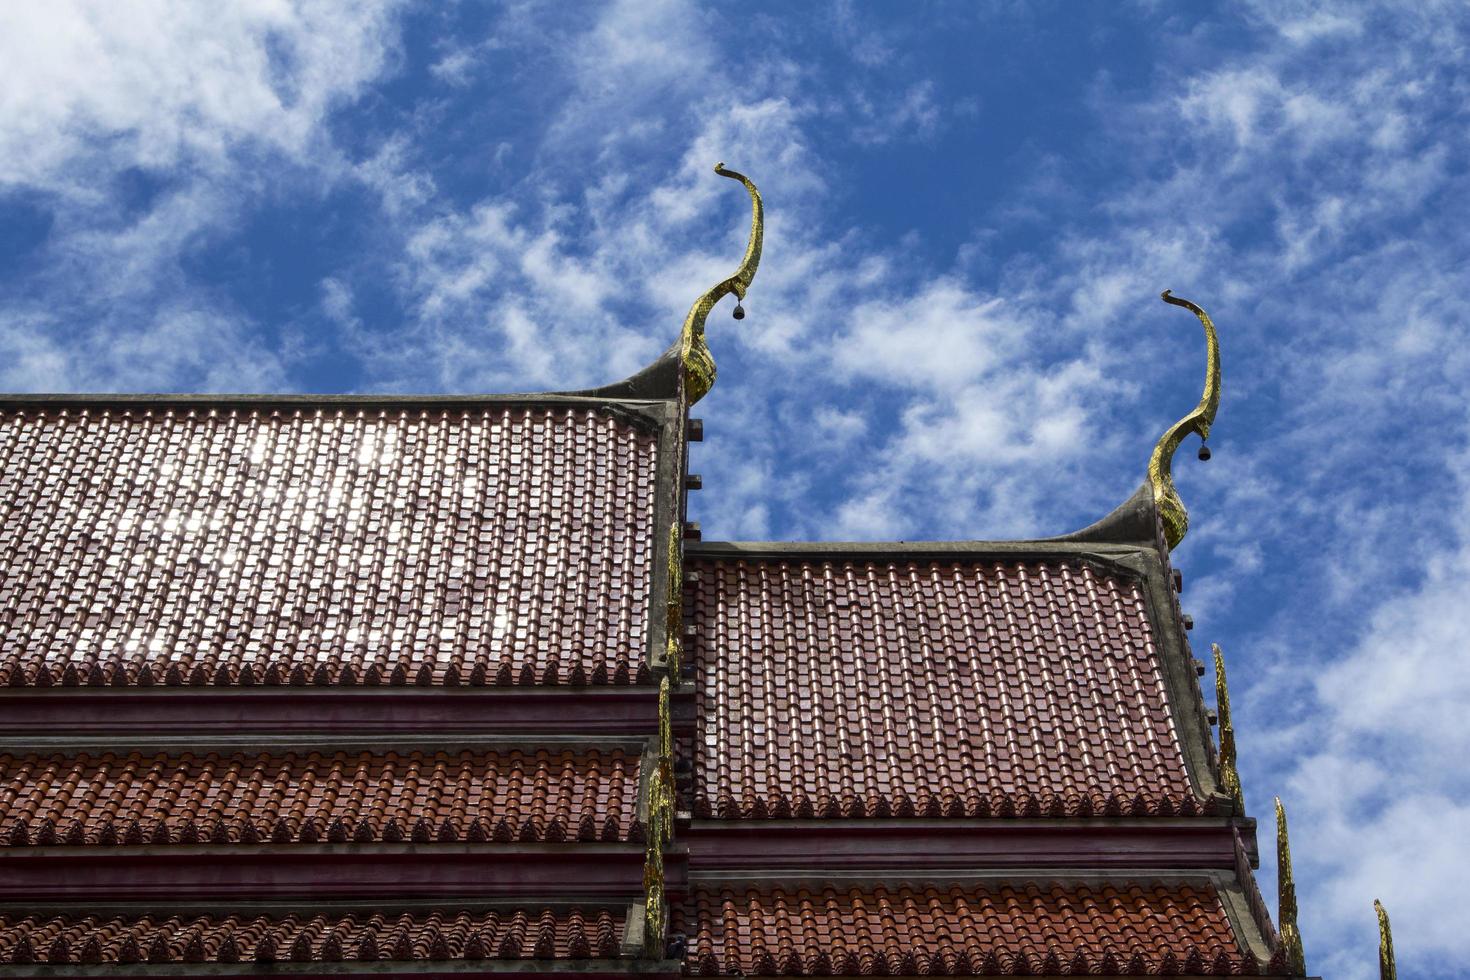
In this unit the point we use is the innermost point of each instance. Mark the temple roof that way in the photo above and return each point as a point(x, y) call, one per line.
point(930, 685)
point(425, 686)
point(317, 541)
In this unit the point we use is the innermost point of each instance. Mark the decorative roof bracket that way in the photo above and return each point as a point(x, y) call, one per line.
point(1229, 773)
point(1290, 948)
point(1160, 465)
point(698, 363)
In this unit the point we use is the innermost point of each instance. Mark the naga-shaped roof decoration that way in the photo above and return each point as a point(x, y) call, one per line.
point(1160, 465)
point(699, 364)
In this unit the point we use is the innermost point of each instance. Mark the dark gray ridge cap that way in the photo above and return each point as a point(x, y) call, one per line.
point(1134, 521)
point(659, 380)
point(1120, 560)
point(1047, 549)
point(646, 414)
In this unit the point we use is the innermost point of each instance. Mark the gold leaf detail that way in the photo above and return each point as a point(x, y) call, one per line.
point(1160, 464)
point(699, 363)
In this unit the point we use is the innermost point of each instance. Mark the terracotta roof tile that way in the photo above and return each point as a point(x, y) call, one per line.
point(309, 796)
point(188, 546)
point(77, 937)
point(928, 688)
point(963, 930)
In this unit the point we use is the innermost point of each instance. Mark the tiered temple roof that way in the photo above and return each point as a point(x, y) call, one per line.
point(306, 686)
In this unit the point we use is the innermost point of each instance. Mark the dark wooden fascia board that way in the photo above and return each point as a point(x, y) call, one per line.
point(416, 969)
point(509, 871)
point(385, 712)
point(935, 846)
point(247, 742)
point(468, 901)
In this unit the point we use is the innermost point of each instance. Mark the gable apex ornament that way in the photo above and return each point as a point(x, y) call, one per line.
point(1387, 970)
point(698, 363)
point(1160, 465)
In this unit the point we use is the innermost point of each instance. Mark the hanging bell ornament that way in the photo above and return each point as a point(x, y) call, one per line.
point(739, 313)
point(1204, 452)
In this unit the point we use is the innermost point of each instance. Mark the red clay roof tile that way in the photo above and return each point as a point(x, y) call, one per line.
point(961, 930)
point(310, 796)
point(78, 937)
point(183, 546)
point(923, 688)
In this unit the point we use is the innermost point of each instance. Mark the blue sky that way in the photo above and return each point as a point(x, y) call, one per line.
point(955, 331)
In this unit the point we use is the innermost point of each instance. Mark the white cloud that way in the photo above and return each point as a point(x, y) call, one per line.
point(208, 105)
point(1376, 775)
point(150, 85)
point(177, 349)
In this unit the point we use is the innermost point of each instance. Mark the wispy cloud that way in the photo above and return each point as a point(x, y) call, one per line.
point(145, 131)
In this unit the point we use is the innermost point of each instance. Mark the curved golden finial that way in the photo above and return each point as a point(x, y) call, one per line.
point(699, 364)
point(1229, 773)
point(1160, 465)
point(1291, 937)
point(1386, 968)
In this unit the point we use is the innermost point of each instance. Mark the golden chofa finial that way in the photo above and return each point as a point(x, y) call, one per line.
point(1386, 968)
point(1291, 937)
point(1160, 465)
point(699, 364)
point(1229, 774)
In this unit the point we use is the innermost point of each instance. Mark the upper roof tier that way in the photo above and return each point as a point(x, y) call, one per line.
point(205, 543)
point(930, 685)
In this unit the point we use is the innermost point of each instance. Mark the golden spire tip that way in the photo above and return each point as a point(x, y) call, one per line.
point(1387, 969)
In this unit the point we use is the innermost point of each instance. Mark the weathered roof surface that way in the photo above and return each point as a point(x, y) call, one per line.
point(163, 937)
point(1128, 929)
point(179, 543)
point(303, 795)
point(849, 687)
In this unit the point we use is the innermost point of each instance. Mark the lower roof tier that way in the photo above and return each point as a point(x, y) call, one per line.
point(911, 930)
point(929, 686)
point(473, 793)
point(263, 937)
